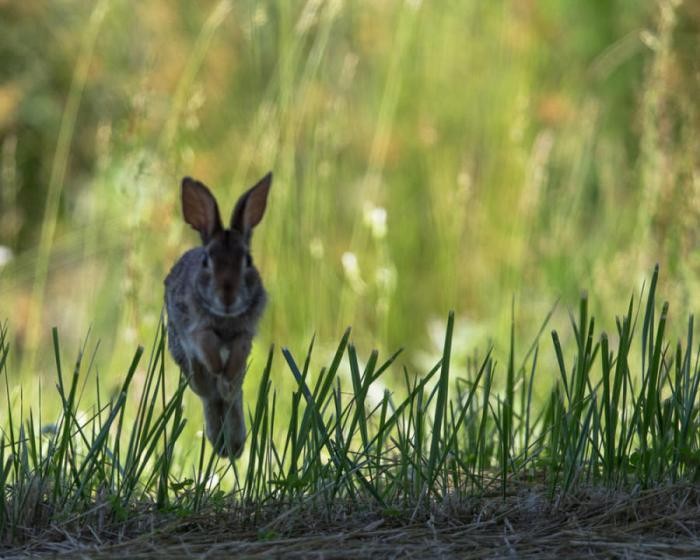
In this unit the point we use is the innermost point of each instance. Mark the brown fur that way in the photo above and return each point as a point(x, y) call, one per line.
point(215, 297)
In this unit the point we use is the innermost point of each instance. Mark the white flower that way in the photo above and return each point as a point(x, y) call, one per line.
point(5, 255)
point(352, 271)
point(386, 278)
point(375, 219)
point(349, 261)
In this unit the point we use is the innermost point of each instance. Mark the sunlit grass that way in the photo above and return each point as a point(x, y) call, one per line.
point(426, 157)
point(458, 431)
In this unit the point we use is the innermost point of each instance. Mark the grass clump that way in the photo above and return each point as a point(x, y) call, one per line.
point(454, 437)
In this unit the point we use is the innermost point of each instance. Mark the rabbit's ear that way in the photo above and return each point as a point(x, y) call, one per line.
point(250, 207)
point(200, 209)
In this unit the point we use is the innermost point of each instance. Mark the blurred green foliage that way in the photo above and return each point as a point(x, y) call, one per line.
point(427, 156)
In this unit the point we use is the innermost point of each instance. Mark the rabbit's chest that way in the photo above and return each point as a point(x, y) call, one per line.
point(227, 333)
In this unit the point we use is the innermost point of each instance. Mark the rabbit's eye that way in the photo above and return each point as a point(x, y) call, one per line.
point(205, 261)
point(248, 260)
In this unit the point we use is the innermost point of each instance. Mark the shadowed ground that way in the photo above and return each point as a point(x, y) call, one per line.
point(659, 523)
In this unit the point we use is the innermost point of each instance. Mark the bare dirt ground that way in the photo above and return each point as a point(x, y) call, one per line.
point(659, 523)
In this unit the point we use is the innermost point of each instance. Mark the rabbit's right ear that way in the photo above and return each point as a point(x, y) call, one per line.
point(200, 209)
point(250, 207)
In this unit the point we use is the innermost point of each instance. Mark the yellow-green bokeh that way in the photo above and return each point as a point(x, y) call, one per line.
point(427, 156)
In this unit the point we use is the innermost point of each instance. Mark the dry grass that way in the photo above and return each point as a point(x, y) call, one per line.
point(658, 523)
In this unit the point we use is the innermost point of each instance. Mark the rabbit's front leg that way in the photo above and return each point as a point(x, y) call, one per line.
point(230, 383)
point(206, 346)
point(201, 381)
point(214, 412)
point(234, 426)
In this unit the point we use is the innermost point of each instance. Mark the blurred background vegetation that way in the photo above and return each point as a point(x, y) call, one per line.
point(428, 156)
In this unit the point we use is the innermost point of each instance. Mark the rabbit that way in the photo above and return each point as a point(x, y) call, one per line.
point(215, 297)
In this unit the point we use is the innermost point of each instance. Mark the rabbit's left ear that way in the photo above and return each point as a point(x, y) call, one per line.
point(200, 209)
point(251, 206)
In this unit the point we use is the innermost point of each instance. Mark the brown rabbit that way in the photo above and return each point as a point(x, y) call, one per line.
point(215, 298)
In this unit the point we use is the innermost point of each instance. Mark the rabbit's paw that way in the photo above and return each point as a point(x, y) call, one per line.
point(234, 428)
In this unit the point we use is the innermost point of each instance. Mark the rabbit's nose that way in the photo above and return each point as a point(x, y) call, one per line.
point(227, 289)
